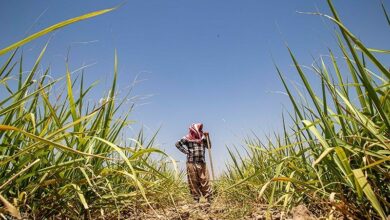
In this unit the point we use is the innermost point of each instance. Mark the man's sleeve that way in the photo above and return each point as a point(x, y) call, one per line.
point(181, 145)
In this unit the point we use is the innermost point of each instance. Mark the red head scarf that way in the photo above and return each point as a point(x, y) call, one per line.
point(195, 133)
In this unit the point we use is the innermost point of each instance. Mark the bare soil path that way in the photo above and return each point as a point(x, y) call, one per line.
point(219, 210)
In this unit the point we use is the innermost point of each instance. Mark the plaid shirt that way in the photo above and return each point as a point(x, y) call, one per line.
point(195, 151)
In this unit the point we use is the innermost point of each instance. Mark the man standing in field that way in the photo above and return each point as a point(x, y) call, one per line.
point(193, 145)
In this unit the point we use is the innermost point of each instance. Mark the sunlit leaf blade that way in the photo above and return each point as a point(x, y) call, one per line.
point(52, 28)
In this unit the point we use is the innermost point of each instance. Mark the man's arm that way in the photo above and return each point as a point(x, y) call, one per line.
point(181, 145)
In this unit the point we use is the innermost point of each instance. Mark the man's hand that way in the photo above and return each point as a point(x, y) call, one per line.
point(206, 133)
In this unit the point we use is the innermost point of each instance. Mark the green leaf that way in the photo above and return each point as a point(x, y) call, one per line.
point(52, 28)
point(324, 154)
point(361, 179)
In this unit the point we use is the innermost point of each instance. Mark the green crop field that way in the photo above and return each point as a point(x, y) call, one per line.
point(62, 156)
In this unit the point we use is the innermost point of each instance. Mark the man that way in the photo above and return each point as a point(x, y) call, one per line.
point(193, 145)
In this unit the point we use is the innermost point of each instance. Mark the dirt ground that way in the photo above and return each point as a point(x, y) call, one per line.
point(217, 210)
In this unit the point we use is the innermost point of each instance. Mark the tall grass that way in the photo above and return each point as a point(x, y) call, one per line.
point(59, 154)
point(336, 153)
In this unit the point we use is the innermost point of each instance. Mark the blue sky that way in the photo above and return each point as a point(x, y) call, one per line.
point(197, 61)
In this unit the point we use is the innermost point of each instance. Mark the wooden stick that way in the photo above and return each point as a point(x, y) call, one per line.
point(211, 161)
